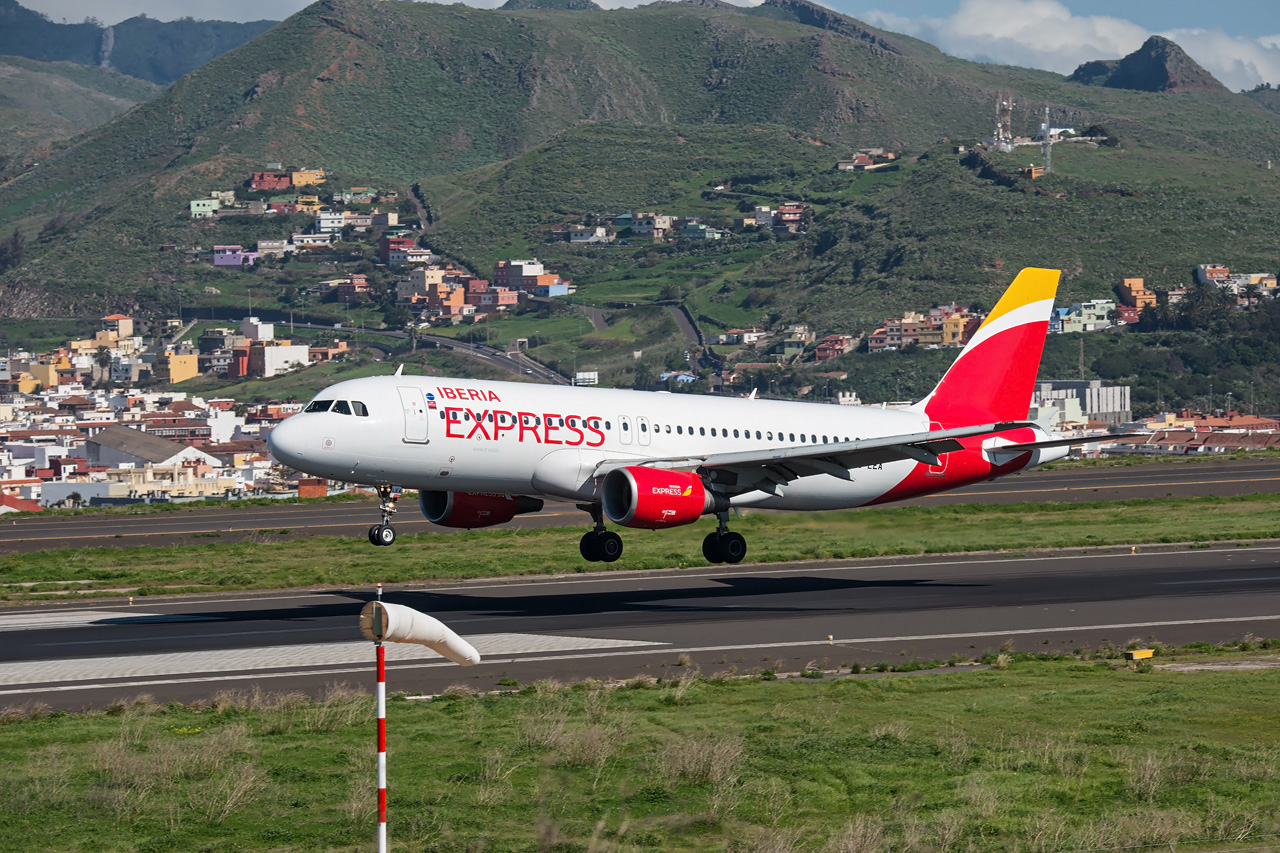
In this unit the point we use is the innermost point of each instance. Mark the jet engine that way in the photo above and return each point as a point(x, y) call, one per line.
point(654, 499)
point(474, 509)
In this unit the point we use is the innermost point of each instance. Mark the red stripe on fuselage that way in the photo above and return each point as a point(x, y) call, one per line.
point(964, 467)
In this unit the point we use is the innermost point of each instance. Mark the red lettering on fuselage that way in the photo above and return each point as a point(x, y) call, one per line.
point(478, 420)
point(450, 422)
point(569, 424)
point(490, 424)
point(551, 424)
point(591, 425)
point(481, 394)
point(502, 422)
point(528, 423)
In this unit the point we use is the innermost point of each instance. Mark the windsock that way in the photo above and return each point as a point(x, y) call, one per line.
point(395, 623)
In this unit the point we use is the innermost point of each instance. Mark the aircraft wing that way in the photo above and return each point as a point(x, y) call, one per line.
point(768, 468)
point(1064, 442)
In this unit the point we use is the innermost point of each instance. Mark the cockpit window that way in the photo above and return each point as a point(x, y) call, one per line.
point(341, 407)
point(359, 408)
point(319, 406)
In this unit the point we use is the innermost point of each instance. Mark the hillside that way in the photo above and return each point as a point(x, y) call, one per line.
point(540, 115)
point(44, 101)
point(156, 51)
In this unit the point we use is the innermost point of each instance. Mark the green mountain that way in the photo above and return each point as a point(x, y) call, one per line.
point(514, 120)
point(157, 51)
point(44, 101)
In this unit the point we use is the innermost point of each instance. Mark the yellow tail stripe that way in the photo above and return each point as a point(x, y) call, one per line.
point(1031, 285)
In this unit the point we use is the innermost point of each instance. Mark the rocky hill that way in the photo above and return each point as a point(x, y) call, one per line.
point(141, 47)
point(1158, 66)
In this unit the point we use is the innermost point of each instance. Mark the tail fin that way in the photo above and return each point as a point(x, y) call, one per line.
point(994, 376)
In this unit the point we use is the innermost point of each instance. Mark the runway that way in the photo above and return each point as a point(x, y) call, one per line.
point(618, 625)
point(197, 523)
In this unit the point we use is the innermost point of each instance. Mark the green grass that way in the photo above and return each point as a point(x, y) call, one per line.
point(1064, 755)
point(270, 561)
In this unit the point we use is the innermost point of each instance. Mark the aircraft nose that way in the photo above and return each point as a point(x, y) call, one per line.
point(286, 442)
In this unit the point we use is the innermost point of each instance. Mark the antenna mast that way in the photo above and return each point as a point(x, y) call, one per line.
point(1046, 142)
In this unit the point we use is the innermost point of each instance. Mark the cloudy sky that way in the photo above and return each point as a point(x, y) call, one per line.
point(1238, 41)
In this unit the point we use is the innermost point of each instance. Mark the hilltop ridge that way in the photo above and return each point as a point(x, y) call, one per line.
point(1160, 65)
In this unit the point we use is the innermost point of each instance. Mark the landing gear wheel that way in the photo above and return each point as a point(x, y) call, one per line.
point(386, 534)
point(373, 534)
point(711, 548)
point(589, 546)
point(733, 547)
point(609, 545)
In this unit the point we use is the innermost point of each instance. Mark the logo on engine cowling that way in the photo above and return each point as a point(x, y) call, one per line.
point(673, 491)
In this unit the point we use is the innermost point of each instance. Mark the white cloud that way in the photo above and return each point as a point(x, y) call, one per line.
point(1239, 63)
point(1045, 34)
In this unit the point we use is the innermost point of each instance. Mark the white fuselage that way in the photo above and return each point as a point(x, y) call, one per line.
point(461, 435)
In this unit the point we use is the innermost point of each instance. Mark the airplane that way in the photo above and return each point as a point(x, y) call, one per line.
point(481, 452)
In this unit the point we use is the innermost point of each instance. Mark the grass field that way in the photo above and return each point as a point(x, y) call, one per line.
point(276, 559)
point(1081, 753)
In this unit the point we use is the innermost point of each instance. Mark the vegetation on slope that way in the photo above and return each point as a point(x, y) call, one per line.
point(44, 101)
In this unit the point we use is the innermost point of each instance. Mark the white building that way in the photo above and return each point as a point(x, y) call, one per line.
point(256, 330)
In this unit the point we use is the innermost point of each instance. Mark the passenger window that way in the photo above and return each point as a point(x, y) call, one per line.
point(824, 439)
point(793, 436)
point(679, 430)
point(360, 409)
point(442, 414)
point(813, 439)
point(735, 433)
point(607, 424)
point(341, 407)
point(319, 406)
point(702, 430)
point(757, 435)
point(769, 435)
point(668, 429)
point(713, 432)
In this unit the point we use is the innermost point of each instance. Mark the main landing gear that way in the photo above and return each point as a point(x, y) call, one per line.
point(384, 533)
point(724, 546)
point(599, 545)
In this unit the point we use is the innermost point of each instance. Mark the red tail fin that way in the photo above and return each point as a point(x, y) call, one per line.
point(994, 376)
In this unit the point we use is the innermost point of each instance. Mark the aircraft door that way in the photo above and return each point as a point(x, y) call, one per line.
point(415, 414)
point(624, 429)
point(643, 430)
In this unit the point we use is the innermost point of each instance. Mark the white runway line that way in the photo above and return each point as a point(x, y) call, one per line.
point(282, 657)
point(37, 620)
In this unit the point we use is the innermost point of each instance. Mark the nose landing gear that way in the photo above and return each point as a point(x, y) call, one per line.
point(599, 545)
point(384, 533)
point(724, 546)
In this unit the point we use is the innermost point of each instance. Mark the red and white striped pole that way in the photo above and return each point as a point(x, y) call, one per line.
point(396, 623)
point(382, 740)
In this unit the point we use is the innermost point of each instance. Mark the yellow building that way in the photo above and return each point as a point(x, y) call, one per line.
point(1134, 292)
point(177, 368)
point(46, 374)
point(308, 204)
point(304, 177)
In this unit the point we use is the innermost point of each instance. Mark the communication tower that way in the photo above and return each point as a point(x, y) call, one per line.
point(1046, 141)
point(1004, 122)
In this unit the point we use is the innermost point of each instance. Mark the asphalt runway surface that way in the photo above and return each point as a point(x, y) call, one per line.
point(196, 523)
point(618, 625)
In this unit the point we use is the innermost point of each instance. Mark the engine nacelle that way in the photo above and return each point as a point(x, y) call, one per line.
point(474, 509)
point(654, 499)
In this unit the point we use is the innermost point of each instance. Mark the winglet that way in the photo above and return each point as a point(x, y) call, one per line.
point(399, 368)
point(994, 375)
